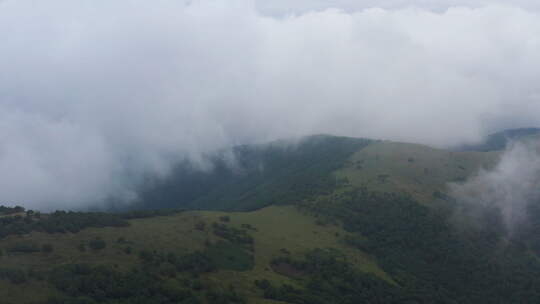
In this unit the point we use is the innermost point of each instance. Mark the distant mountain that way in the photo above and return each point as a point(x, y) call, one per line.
point(498, 141)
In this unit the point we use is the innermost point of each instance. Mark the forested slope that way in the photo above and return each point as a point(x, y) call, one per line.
point(251, 177)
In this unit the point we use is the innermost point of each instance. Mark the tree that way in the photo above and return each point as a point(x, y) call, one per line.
point(97, 244)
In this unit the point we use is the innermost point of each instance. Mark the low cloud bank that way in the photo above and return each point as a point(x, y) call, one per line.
point(94, 95)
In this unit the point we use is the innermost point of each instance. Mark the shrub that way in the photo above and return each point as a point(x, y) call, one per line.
point(97, 244)
point(81, 247)
point(24, 247)
point(15, 276)
point(47, 248)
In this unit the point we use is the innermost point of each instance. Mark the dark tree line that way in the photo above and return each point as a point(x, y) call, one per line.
point(4, 210)
point(68, 221)
point(103, 284)
point(58, 222)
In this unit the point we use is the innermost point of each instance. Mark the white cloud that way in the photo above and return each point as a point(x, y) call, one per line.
point(511, 186)
point(93, 92)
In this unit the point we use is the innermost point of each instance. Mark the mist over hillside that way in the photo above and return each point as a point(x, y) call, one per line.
point(323, 219)
point(94, 96)
point(510, 189)
point(280, 172)
point(500, 140)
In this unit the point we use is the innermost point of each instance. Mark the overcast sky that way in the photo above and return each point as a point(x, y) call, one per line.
point(94, 93)
point(285, 7)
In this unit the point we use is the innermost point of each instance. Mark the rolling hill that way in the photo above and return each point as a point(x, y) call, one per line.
point(320, 220)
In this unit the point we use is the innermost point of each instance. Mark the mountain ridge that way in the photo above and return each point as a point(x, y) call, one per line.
point(499, 140)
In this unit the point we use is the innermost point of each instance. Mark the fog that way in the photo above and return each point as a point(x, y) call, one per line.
point(95, 95)
point(509, 187)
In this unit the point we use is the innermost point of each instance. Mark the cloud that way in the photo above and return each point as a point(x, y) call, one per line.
point(285, 7)
point(510, 187)
point(94, 95)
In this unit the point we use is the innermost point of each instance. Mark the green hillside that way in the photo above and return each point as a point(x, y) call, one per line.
point(327, 220)
point(277, 231)
point(415, 169)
